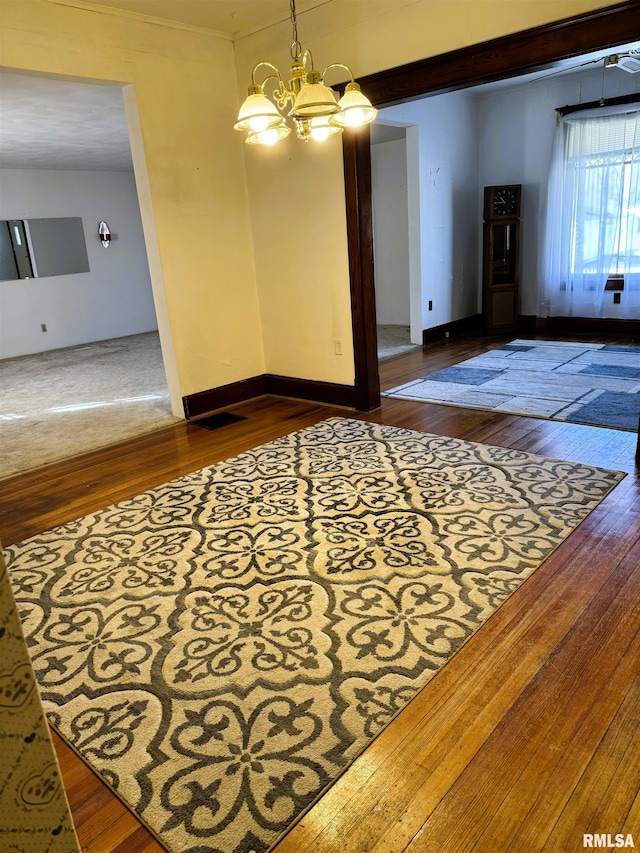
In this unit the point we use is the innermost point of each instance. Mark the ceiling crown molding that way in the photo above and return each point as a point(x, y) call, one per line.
point(101, 9)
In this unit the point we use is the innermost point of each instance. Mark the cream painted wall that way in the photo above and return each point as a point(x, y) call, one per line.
point(298, 221)
point(296, 190)
point(192, 185)
point(213, 233)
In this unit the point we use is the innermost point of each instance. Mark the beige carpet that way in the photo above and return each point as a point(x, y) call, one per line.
point(393, 340)
point(61, 403)
point(219, 649)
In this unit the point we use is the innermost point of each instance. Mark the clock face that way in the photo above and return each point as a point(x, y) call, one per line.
point(505, 201)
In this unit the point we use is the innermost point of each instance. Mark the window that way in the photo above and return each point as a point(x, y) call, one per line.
point(605, 226)
point(593, 223)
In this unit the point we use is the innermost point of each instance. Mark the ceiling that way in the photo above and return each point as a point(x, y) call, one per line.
point(234, 18)
point(57, 124)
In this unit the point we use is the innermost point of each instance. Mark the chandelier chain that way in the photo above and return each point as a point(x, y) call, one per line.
point(296, 47)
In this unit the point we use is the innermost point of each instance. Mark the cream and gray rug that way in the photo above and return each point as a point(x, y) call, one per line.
point(597, 384)
point(220, 648)
point(61, 403)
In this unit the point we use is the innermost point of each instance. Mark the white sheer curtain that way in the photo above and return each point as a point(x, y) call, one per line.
point(592, 229)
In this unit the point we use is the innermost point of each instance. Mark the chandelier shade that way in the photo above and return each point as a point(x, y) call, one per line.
point(314, 99)
point(257, 112)
point(320, 128)
point(354, 109)
point(268, 136)
point(313, 107)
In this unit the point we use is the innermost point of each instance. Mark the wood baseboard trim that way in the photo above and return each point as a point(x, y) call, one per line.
point(466, 326)
point(331, 393)
point(527, 324)
point(206, 402)
point(595, 325)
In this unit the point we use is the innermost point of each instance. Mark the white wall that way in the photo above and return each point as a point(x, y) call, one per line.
point(516, 132)
point(477, 138)
point(113, 299)
point(179, 92)
point(447, 151)
point(391, 232)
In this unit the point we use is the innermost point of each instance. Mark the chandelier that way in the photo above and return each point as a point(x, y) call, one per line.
point(315, 111)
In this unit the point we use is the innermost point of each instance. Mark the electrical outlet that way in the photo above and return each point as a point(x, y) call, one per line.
point(431, 305)
point(43, 327)
point(616, 299)
point(338, 346)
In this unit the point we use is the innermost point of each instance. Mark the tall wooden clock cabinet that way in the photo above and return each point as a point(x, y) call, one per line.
point(501, 258)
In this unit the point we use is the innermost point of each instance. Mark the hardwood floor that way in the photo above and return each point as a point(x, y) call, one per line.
point(527, 739)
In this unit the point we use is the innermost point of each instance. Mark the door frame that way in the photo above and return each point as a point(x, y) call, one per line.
point(520, 53)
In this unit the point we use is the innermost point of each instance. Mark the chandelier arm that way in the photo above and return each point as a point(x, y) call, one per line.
point(283, 96)
point(339, 65)
point(281, 93)
point(307, 55)
point(262, 62)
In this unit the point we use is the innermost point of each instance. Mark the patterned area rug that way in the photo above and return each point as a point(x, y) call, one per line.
point(596, 384)
point(219, 649)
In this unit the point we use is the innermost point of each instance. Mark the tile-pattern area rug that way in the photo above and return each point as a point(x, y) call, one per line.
point(596, 384)
point(220, 648)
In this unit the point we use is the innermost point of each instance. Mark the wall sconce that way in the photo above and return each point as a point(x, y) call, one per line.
point(104, 234)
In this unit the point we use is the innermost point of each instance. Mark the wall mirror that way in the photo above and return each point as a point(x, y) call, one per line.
point(32, 248)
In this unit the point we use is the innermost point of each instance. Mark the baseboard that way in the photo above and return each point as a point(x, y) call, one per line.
point(530, 325)
point(330, 393)
point(562, 325)
point(334, 394)
point(204, 402)
point(466, 326)
point(527, 324)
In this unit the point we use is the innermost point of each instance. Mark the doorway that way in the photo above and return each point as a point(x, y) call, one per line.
point(545, 47)
point(69, 148)
point(396, 214)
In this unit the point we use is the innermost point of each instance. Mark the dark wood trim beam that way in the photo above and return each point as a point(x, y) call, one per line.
point(538, 48)
point(509, 56)
point(357, 172)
